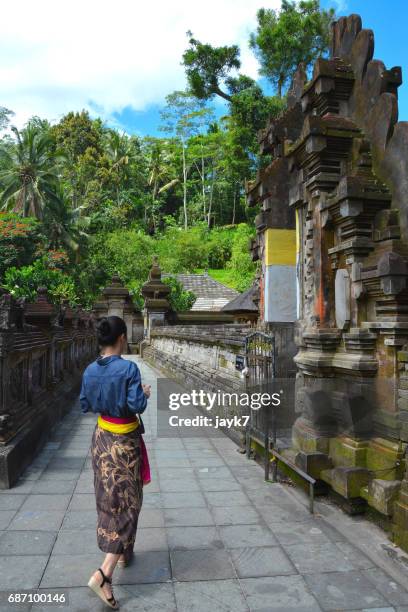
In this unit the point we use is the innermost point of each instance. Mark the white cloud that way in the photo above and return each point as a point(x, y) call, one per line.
point(60, 56)
point(340, 5)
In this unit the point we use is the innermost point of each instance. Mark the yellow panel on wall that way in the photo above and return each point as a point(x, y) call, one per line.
point(280, 247)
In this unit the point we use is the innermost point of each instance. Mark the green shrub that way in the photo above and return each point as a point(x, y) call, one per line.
point(182, 250)
point(25, 282)
point(219, 246)
point(241, 263)
point(19, 238)
point(180, 300)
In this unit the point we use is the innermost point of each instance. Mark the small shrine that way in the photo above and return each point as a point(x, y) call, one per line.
point(115, 300)
point(155, 293)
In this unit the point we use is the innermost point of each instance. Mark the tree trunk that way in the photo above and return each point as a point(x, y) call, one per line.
point(185, 187)
point(233, 207)
point(222, 94)
point(211, 200)
point(280, 85)
point(203, 181)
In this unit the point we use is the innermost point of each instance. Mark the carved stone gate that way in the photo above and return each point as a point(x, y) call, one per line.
point(339, 168)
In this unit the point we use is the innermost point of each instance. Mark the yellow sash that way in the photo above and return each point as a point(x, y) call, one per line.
point(117, 428)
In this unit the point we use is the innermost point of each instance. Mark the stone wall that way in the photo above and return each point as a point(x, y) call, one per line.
point(42, 354)
point(199, 354)
point(201, 357)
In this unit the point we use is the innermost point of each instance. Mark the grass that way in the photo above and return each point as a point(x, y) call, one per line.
point(226, 277)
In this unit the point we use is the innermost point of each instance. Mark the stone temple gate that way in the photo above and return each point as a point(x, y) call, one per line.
point(334, 206)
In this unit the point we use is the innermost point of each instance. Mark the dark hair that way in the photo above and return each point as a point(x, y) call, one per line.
point(109, 329)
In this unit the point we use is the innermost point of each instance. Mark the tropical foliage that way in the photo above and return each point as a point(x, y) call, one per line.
point(25, 282)
point(80, 200)
point(179, 299)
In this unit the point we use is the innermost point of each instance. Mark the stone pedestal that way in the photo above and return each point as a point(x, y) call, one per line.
point(400, 517)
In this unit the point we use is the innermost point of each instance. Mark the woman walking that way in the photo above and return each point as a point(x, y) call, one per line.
point(112, 387)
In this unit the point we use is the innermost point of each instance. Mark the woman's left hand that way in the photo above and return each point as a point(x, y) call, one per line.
point(147, 390)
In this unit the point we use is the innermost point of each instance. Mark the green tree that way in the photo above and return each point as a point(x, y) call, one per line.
point(25, 282)
point(180, 299)
point(19, 239)
point(297, 32)
point(183, 116)
point(29, 178)
point(126, 167)
point(5, 115)
point(76, 133)
point(213, 71)
point(162, 176)
point(65, 226)
point(80, 138)
point(241, 263)
point(208, 68)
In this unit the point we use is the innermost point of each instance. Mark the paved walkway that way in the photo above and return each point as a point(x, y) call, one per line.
point(213, 535)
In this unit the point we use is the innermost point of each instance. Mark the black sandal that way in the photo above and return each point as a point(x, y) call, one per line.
point(98, 590)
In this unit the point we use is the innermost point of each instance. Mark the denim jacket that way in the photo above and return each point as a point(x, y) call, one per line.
point(112, 386)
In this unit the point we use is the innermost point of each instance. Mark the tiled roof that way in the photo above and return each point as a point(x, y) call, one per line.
point(211, 295)
point(243, 302)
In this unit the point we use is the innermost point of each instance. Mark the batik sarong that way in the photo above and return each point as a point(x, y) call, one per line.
point(116, 461)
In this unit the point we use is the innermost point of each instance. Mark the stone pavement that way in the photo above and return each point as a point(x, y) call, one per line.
point(213, 535)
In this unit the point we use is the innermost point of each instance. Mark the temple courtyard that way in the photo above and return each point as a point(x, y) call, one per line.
point(213, 534)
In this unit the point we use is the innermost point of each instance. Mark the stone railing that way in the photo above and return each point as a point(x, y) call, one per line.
point(201, 357)
point(199, 353)
point(43, 351)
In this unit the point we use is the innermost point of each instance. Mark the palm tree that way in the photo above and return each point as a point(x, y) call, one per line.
point(118, 148)
point(65, 226)
point(28, 179)
point(160, 166)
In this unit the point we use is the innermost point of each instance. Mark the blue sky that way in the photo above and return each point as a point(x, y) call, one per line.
point(120, 64)
point(387, 19)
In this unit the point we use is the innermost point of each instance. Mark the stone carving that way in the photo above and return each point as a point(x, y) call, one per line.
point(11, 312)
point(36, 383)
point(339, 158)
point(342, 297)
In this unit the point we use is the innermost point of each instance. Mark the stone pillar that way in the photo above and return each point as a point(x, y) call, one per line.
point(275, 243)
point(45, 317)
point(115, 296)
point(115, 300)
point(13, 380)
point(156, 304)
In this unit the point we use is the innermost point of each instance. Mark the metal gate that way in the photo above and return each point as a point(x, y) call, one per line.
point(260, 358)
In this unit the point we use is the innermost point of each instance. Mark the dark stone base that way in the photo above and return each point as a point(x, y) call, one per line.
point(17, 455)
point(352, 505)
point(313, 463)
point(321, 488)
point(134, 348)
